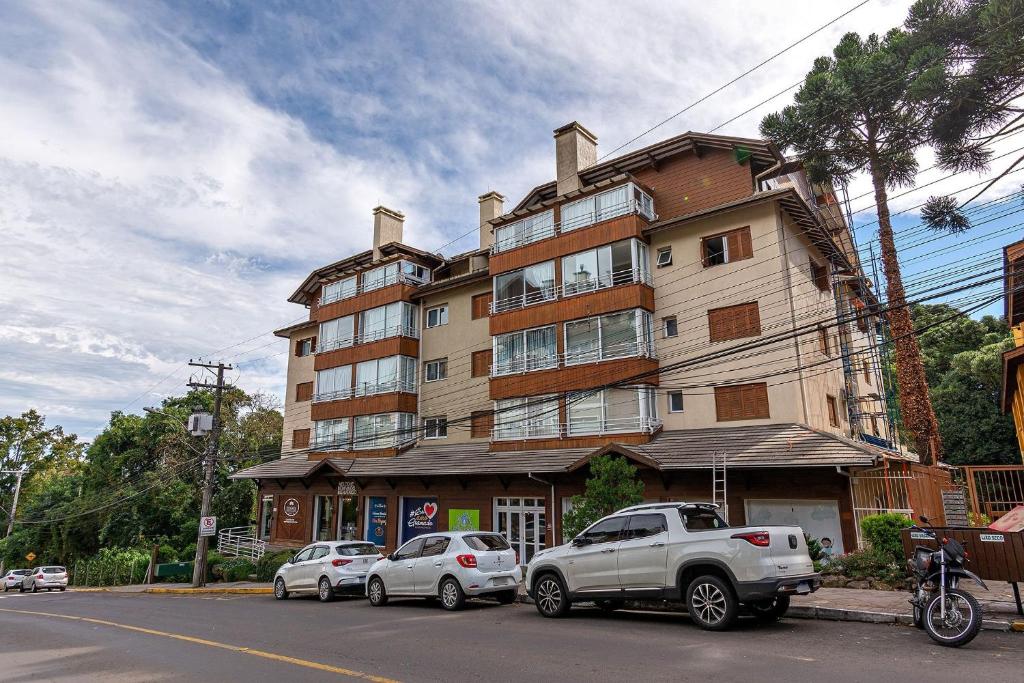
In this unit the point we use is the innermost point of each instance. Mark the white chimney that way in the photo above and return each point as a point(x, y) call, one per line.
point(387, 228)
point(575, 150)
point(491, 206)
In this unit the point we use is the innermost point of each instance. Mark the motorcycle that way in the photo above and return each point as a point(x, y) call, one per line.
point(951, 616)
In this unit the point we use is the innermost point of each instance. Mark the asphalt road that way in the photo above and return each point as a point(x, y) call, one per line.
point(126, 637)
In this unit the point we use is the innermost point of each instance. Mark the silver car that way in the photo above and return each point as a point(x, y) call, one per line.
point(48, 578)
point(326, 568)
point(13, 578)
point(449, 566)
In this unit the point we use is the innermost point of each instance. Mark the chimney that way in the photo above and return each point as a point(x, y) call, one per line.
point(387, 228)
point(491, 206)
point(575, 150)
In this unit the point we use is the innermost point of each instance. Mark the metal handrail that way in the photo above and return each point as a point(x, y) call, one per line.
point(393, 331)
point(567, 289)
point(640, 348)
point(362, 288)
point(366, 389)
point(241, 541)
point(629, 207)
point(645, 425)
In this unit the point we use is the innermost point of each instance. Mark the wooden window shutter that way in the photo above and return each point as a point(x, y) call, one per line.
point(481, 305)
point(481, 363)
point(740, 246)
point(480, 422)
point(300, 438)
point(704, 252)
point(833, 411)
point(298, 347)
point(304, 391)
point(734, 322)
point(742, 402)
point(312, 345)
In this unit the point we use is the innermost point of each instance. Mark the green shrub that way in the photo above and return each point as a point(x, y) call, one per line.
point(167, 554)
point(867, 564)
point(214, 560)
point(111, 567)
point(813, 548)
point(883, 533)
point(268, 565)
point(237, 569)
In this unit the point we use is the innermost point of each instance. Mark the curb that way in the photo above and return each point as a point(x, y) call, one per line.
point(210, 591)
point(89, 590)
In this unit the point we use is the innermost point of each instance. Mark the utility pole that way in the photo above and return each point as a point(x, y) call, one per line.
point(14, 504)
point(209, 461)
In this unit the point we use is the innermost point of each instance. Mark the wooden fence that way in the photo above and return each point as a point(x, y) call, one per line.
point(994, 490)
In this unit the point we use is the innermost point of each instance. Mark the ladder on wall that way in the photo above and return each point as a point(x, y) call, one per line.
point(718, 482)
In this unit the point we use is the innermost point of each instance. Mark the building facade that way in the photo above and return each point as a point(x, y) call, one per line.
point(696, 302)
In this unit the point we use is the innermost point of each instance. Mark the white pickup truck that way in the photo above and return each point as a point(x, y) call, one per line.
point(676, 551)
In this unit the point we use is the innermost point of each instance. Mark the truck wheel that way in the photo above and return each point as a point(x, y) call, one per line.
point(711, 603)
point(767, 611)
point(550, 597)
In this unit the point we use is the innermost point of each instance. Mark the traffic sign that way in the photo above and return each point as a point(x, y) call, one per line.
point(30, 557)
point(207, 526)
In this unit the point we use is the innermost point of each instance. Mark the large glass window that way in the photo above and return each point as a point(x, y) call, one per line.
point(616, 335)
point(380, 277)
point(613, 264)
point(398, 318)
point(384, 430)
point(631, 409)
point(522, 232)
point(331, 434)
point(342, 289)
point(524, 418)
point(382, 375)
point(336, 333)
point(524, 287)
point(600, 207)
point(333, 383)
point(525, 350)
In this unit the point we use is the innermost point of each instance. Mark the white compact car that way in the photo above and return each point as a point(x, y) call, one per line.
point(449, 566)
point(326, 568)
point(47, 578)
point(13, 578)
point(676, 551)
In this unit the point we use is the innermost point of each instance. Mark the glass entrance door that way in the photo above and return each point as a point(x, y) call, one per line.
point(522, 522)
point(347, 520)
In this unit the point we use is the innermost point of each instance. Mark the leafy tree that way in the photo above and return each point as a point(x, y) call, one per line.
point(613, 484)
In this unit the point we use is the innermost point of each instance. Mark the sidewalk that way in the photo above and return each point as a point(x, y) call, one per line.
point(233, 588)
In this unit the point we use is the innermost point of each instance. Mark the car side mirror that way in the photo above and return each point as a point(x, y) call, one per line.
point(291, 560)
point(581, 541)
point(391, 557)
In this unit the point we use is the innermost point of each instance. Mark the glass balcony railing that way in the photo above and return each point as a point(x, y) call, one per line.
point(583, 426)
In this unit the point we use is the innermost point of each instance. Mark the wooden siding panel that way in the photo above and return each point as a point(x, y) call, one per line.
point(574, 307)
point(574, 378)
point(481, 305)
point(481, 363)
point(392, 346)
point(742, 402)
point(689, 183)
point(364, 405)
point(303, 391)
point(300, 438)
point(734, 322)
point(364, 302)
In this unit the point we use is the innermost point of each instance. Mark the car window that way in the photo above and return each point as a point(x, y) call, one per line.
point(409, 550)
point(304, 555)
point(319, 552)
point(642, 526)
point(698, 519)
point(484, 542)
point(53, 570)
point(605, 531)
point(356, 550)
point(435, 545)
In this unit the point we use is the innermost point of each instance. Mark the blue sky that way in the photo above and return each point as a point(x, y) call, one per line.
point(169, 172)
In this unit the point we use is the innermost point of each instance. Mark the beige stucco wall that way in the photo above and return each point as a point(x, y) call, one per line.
point(461, 393)
point(300, 369)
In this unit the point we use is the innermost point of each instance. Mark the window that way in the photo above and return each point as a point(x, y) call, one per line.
point(434, 370)
point(435, 545)
point(670, 327)
point(874, 425)
point(480, 424)
point(304, 555)
point(833, 410)
point(525, 350)
point(335, 291)
point(435, 428)
point(481, 363)
point(333, 383)
point(601, 207)
point(644, 526)
point(742, 402)
point(300, 438)
point(524, 287)
point(664, 257)
point(862, 323)
point(605, 531)
point(630, 409)
point(614, 264)
point(734, 322)
point(380, 277)
point(819, 275)
point(398, 318)
point(385, 430)
point(437, 316)
point(410, 550)
point(616, 335)
point(481, 305)
point(383, 375)
point(303, 391)
point(337, 333)
point(523, 418)
point(675, 401)
point(522, 232)
point(305, 347)
point(267, 515)
point(331, 434)
point(726, 247)
point(701, 519)
point(823, 341)
point(485, 542)
point(357, 550)
point(866, 367)
point(415, 272)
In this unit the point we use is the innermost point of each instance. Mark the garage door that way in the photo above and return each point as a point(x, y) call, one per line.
point(818, 518)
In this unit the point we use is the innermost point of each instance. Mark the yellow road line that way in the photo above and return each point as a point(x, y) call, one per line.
point(212, 643)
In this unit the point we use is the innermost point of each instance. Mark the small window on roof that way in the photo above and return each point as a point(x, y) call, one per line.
point(664, 257)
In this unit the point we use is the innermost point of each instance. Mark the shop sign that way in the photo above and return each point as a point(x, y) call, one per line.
point(346, 488)
point(420, 517)
point(377, 521)
point(463, 520)
point(291, 510)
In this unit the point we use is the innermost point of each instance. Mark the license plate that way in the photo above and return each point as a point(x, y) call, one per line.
point(803, 588)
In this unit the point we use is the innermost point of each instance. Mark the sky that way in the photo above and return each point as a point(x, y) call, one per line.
point(171, 171)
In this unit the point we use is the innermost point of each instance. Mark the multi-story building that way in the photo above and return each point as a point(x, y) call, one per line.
point(690, 303)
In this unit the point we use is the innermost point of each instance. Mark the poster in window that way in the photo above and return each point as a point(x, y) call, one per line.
point(419, 517)
point(377, 520)
point(463, 520)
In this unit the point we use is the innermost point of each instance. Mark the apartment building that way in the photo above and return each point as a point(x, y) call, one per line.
point(692, 302)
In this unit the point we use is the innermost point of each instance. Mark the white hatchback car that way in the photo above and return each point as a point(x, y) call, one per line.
point(326, 568)
point(48, 578)
point(13, 578)
point(449, 566)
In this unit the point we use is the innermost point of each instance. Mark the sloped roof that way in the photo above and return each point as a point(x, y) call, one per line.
point(469, 458)
point(292, 467)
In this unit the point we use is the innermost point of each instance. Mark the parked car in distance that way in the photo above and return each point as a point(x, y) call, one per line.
point(449, 566)
point(13, 578)
point(48, 578)
point(676, 551)
point(327, 568)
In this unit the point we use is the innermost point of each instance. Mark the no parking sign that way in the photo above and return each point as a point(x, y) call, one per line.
point(207, 526)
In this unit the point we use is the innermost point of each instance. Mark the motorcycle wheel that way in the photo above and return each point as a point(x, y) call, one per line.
point(962, 621)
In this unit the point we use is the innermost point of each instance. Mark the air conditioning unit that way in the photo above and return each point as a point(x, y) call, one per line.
point(200, 424)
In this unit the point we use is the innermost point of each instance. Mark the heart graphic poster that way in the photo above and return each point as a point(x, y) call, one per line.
point(419, 517)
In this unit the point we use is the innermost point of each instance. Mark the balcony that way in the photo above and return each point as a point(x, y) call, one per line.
point(367, 337)
point(580, 356)
point(403, 272)
point(366, 389)
point(580, 427)
point(569, 289)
